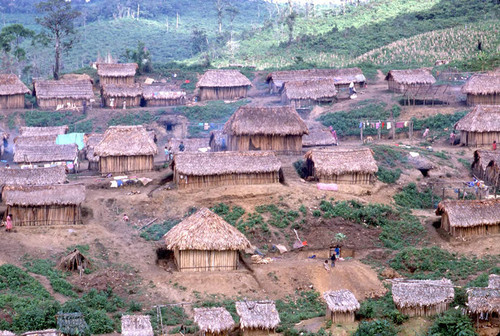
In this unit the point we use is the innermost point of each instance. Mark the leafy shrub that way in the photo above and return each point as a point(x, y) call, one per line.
point(303, 306)
point(376, 328)
point(99, 322)
point(409, 197)
point(300, 168)
point(370, 214)
point(388, 156)
point(439, 122)
point(452, 323)
point(230, 215)
point(279, 217)
point(382, 307)
point(388, 176)
point(156, 231)
point(47, 268)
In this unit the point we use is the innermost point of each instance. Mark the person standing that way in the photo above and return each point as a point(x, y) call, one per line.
point(426, 133)
point(167, 153)
point(452, 138)
point(8, 223)
point(494, 145)
point(181, 147)
point(333, 258)
point(337, 251)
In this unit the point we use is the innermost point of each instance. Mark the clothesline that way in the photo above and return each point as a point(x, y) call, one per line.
point(384, 124)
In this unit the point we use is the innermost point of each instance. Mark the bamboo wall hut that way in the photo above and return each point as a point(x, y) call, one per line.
point(341, 306)
point(215, 169)
point(401, 80)
point(205, 242)
point(223, 85)
point(265, 128)
point(213, 321)
point(62, 94)
point(136, 325)
point(422, 297)
point(12, 92)
point(494, 281)
point(309, 92)
point(39, 131)
point(162, 95)
point(486, 167)
point(480, 127)
point(484, 303)
point(91, 141)
point(257, 318)
point(47, 155)
point(125, 149)
point(465, 218)
point(343, 166)
point(44, 205)
point(483, 89)
point(116, 73)
point(115, 95)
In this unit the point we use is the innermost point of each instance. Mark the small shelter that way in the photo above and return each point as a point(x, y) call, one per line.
point(41, 131)
point(74, 261)
point(205, 242)
point(44, 205)
point(126, 149)
point(47, 155)
point(401, 80)
point(223, 85)
point(71, 324)
point(484, 303)
point(483, 89)
point(422, 297)
point(465, 218)
point(12, 92)
point(62, 94)
point(213, 321)
point(341, 305)
point(319, 136)
point(214, 169)
point(265, 128)
point(32, 176)
point(121, 95)
point(486, 167)
point(494, 281)
point(162, 95)
point(480, 127)
point(116, 73)
point(309, 92)
point(136, 325)
point(257, 318)
point(91, 141)
point(47, 332)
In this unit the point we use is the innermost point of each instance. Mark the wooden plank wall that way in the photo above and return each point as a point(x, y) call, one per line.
point(493, 99)
point(223, 93)
point(425, 310)
point(52, 103)
point(125, 164)
point(338, 317)
point(479, 138)
point(118, 101)
point(165, 102)
point(352, 178)
point(45, 215)
point(203, 261)
point(12, 101)
point(281, 144)
point(116, 80)
point(206, 181)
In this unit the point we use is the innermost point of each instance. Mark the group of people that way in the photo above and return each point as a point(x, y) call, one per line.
point(333, 258)
point(169, 154)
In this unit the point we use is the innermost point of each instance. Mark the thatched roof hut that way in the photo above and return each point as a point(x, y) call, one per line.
point(213, 321)
point(422, 297)
point(309, 92)
point(73, 261)
point(40, 131)
point(116, 73)
point(126, 149)
point(341, 305)
point(265, 128)
point(45, 154)
point(114, 95)
point(163, 95)
point(62, 93)
point(12, 92)
point(47, 332)
point(483, 89)
point(136, 325)
point(205, 242)
point(463, 218)
point(33, 176)
point(481, 126)
point(483, 300)
point(318, 136)
point(257, 316)
point(401, 80)
point(223, 84)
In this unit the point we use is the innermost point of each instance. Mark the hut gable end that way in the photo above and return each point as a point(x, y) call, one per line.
point(342, 161)
point(420, 293)
point(258, 315)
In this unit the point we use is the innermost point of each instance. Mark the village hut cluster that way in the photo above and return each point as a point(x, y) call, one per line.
point(486, 166)
point(480, 127)
point(483, 303)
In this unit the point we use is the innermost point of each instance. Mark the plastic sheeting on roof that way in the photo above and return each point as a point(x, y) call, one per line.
point(71, 138)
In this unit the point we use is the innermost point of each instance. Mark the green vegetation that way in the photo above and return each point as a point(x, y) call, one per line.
point(140, 118)
point(171, 316)
point(44, 119)
point(409, 197)
point(46, 268)
point(389, 176)
point(452, 323)
point(302, 306)
point(381, 308)
point(438, 123)
point(156, 231)
point(376, 328)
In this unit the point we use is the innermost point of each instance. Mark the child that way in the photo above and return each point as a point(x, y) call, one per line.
point(326, 266)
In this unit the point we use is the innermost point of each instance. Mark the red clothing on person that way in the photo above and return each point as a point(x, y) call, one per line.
point(494, 146)
point(8, 223)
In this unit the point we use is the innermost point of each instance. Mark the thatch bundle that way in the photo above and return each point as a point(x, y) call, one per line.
point(116, 69)
point(204, 230)
point(411, 77)
point(45, 153)
point(12, 85)
point(47, 332)
point(121, 90)
point(467, 213)
point(125, 141)
point(483, 118)
point(342, 161)
point(258, 314)
point(340, 76)
point(73, 261)
point(41, 131)
point(482, 85)
point(483, 300)
point(33, 176)
point(214, 320)
point(72, 76)
point(63, 194)
point(414, 294)
point(63, 89)
point(314, 89)
point(136, 325)
point(494, 281)
point(223, 78)
point(153, 92)
point(35, 140)
point(341, 301)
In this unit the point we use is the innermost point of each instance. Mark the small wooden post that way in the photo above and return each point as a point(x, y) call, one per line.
point(361, 130)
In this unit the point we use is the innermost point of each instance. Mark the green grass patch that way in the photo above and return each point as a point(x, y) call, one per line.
point(381, 308)
point(302, 306)
point(140, 118)
point(439, 124)
point(410, 197)
point(156, 231)
point(388, 176)
point(47, 268)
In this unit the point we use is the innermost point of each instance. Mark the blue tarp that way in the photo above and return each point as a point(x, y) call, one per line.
point(71, 138)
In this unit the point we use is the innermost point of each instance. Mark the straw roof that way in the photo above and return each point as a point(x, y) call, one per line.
point(204, 230)
point(6, 333)
point(318, 136)
point(256, 120)
point(258, 314)
point(11, 85)
point(39, 131)
point(420, 293)
point(92, 141)
point(494, 281)
point(121, 90)
point(468, 213)
point(33, 176)
point(190, 144)
point(340, 76)
point(221, 163)
point(213, 320)
point(60, 194)
point(45, 153)
point(482, 85)
point(72, 89)
point(47, 332)
point(35, 140)
point(483, 118)
point(310, 89)
point(342, 161)
point(223, 78)
point(342, 301)
point(483, 300)
point(485, 157)
point(151, 92)
point(116, 69)
point(126, 141)
point(72, 76)
point(412, 76)
point(136, 325)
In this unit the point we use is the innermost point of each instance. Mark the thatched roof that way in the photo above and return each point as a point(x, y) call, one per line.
point(45, 153)
point(73, 261)
point(412, 76)
point(33, 176)
point(223, 78)
point(152, 92)
point(47, 332)
point(6, 333)
point(258, 314)
point(61, 194)
point(256, 120)
point(341, 301)
point(342, 161)
point(190, 144)
point(126, 141)
point(121, 90)
point(485, 157)
point(39, 131)
point(420, 293)
point(204, 230)
point(213, 320)
point(482, 85)
point(483, 118)
point(71, 89)
point(221, 163)
point(468, 213)
point(494, 281)
point(315, 89)
point(483, 300)
point(116, 69)
point(136, 325)
point(35, 140)
point(11, 85)
point(340, 76)
point(318, 136)
point(72, 76)
point(92, 141)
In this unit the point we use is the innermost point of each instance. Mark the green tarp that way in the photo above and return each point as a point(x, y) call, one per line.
point(71, 138)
